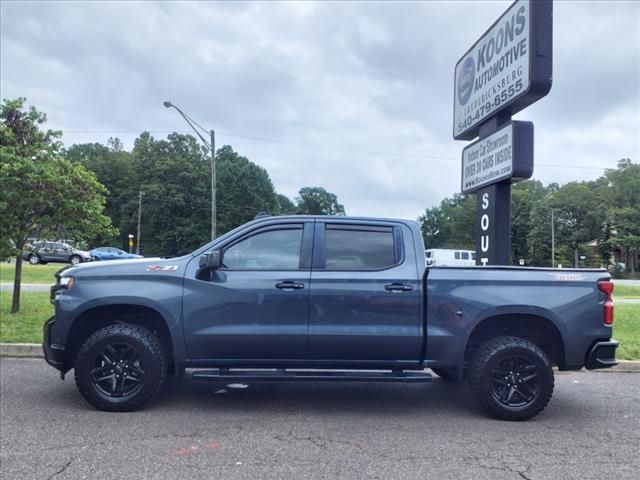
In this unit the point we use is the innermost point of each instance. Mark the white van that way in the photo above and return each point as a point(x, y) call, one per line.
point(452, 258)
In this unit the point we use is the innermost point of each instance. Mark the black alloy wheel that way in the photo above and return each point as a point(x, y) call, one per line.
point(118, 370)
point(514, 381)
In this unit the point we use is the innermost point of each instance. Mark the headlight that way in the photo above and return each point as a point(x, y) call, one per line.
point(67, 282)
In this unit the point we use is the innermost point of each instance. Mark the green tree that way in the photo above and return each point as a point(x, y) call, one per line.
point(114, 168)
point(285, 205)
point(174, 177)
point(451, 224)
point(524, 197)
point(244, 190)
point(578, 215)
point(42, 193)
point(620, 191)
point(317, 201)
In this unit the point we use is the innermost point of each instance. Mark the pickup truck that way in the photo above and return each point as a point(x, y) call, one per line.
point(326, 298)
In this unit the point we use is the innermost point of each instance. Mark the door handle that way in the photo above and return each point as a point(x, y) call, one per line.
point(398, 287)
point(287, 285)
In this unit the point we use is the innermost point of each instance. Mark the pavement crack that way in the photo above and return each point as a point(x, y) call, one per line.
point(66, 465)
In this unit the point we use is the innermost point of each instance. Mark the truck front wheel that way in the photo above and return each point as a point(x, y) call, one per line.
point(511, 378)
point(120, 367)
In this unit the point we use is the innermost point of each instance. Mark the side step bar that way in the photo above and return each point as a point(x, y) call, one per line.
point(226, 375)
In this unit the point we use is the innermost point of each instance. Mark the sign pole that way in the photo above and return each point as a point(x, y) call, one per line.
point(507, 69)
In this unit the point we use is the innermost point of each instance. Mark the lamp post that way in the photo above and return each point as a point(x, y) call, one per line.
point(212, 149)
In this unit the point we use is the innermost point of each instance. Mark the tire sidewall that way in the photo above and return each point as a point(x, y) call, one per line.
point(34, 259)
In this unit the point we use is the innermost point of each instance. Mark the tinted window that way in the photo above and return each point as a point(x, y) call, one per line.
point(353, 249)
point(465, 255)
point(457, 255)
point(473, 256)
point(270, 250)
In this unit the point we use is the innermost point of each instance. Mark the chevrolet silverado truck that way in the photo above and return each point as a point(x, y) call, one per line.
point(316, 298)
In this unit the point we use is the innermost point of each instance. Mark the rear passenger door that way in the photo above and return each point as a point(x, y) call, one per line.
point(365, 302)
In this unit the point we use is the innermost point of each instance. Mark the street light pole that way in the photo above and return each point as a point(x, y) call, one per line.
point(213, 185)
point(212, 149)
point(553, 240)
point(139, 219)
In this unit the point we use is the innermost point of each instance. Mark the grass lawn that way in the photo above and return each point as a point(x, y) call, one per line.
point(26, 326)
point(626, 329)
point(31, 273)
point(626, 291)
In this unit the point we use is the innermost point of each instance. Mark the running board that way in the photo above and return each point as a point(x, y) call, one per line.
point(226, 375)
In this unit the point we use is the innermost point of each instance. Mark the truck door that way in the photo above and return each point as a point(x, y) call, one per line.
point(365, 293)
point(256, 305)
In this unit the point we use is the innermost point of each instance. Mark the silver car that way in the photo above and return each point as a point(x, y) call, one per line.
point(44, 252)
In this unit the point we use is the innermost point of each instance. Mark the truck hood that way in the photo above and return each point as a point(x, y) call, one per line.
point(132, 266)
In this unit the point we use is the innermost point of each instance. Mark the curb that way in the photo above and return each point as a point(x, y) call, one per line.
point(29, 350)
point(34, 350)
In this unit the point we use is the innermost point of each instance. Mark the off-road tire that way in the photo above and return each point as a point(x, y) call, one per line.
point(489, 360)
point(446, 375)
point(152, 357)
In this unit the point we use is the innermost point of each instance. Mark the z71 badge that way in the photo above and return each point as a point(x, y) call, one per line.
point(162, 268)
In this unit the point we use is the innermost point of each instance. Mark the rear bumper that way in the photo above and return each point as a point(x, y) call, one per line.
point(602, 355)
point(53, 353)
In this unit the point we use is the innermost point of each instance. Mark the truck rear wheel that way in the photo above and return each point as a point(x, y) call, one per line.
point(511, 378)
point(120, 368)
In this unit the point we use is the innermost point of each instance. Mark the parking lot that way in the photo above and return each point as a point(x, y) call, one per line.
point(591, 429)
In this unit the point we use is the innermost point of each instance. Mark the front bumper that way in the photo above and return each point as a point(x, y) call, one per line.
point(53, 353)
point(602, 355)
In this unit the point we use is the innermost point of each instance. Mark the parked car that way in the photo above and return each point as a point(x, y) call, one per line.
point(111, 253)
point(315, 298)
point(443, 257)
point(45, 251)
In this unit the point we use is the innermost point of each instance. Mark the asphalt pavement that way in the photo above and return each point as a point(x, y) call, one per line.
point(307, 430)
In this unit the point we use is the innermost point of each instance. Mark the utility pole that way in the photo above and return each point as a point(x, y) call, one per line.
point(139, 219)
point(213, 185)
point(553, 240)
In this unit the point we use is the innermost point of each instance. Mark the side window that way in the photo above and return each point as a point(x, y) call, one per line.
point(360, 248)
point(457, 255)
point(473, 256)
point(465, 255)
point(268, 250)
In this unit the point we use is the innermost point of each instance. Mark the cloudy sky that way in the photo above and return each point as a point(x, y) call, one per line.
point(352, 96)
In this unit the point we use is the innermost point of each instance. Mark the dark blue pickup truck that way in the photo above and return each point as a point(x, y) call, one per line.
point(326, 298)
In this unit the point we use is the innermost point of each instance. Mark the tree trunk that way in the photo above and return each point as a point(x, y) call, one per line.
point(576, 258)
point(15, 304)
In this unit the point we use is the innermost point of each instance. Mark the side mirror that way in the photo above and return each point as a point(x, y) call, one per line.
point(211, 260)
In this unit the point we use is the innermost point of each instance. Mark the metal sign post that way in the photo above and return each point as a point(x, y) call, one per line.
point(506, 70)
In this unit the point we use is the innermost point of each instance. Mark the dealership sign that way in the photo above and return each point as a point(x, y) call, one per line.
point(508, 68)
point(505, 154)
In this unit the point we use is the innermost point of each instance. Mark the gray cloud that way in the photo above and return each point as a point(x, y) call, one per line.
point(360, 93)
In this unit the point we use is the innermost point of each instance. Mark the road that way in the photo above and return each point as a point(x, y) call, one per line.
point(591, 430)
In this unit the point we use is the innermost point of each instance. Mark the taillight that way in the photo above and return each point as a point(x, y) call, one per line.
point(606, 286)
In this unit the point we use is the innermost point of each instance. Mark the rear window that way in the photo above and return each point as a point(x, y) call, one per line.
point(367, 248)
point(465, 255)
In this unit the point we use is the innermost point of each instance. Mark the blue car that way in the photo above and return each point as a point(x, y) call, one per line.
point(111, 253)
